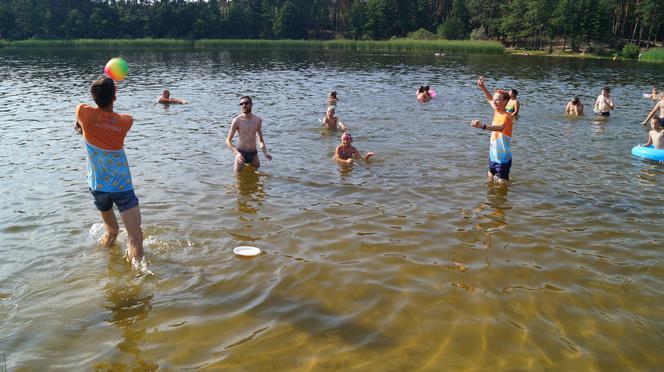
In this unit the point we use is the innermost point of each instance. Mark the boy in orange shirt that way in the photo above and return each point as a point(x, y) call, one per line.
point(500, 149)
point(108, 174)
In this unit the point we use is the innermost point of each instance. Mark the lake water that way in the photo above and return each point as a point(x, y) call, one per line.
point(409, 263)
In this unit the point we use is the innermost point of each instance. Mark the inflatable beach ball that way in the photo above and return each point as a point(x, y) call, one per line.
point(116, 69)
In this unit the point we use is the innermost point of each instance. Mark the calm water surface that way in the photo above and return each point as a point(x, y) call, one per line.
point(409, 263)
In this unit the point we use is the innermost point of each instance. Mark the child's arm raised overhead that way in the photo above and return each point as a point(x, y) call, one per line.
point(487, 94)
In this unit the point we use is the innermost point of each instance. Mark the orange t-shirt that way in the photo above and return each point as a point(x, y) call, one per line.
point(500, 148)
point(105, 130)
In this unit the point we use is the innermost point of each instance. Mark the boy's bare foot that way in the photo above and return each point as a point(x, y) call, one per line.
point(109, 237)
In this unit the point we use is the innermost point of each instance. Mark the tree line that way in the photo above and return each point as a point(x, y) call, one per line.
point(521, 23)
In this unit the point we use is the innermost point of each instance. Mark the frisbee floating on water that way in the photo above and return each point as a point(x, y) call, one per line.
point(246, 251)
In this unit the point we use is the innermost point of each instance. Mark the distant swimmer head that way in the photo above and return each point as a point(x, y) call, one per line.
point(421, 89)
point(513, 93)
point(332, 95)
point(346, 137)
point(575, 101)
point(426, 88)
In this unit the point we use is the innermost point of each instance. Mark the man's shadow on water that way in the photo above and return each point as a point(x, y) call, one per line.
point(129, 306)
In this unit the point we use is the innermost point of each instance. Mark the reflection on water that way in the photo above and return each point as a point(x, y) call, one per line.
point(250, 190)
point(409, 262)
point(129, 307)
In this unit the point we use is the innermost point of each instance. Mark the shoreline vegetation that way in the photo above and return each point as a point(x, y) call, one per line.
point(393, 45)
point(403, 45)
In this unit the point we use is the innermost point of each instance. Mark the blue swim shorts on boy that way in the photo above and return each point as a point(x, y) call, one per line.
point(502, 170)
point(104, 201)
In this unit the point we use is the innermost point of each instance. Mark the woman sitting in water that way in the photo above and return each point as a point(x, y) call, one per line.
point(513, 104)
point(574, 107)
point(346, 153)
point(332, 122)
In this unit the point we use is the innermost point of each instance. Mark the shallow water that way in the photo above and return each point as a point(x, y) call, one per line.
point(410, 262)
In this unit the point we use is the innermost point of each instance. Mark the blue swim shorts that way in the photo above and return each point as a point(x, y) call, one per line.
point(502, 170)
point(124, 200)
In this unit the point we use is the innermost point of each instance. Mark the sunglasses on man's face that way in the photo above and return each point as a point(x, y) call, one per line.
point(245, 103)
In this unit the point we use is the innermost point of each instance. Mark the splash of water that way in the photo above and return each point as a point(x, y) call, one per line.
point(96, 233)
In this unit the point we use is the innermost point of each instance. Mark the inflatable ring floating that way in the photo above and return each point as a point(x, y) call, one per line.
point(648, 153)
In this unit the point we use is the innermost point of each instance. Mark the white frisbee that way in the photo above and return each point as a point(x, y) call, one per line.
point(246, 251)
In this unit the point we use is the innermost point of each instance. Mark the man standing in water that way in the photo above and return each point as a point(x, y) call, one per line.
point(248, 126)
point(104, 132)
point(500, 149)
point(604, 104)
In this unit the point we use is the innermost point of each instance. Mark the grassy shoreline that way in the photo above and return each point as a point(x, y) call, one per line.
point(395, 45)
point(403, 45)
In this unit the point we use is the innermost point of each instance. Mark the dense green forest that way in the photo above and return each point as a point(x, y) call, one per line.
point(522, 23)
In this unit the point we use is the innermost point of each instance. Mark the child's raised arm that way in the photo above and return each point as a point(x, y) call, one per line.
point(487, 94)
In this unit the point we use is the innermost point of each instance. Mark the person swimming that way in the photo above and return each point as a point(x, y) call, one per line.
point(332, 122)
point(345, 153)
point(423, 94)
point(332, 99)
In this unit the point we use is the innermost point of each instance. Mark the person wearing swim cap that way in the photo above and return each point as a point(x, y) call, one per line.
point(345, 153)
point(248, 127)
point(332, 122)
point(500, 148)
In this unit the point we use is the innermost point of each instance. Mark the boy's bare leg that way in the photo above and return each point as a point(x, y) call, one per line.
point(489, 176)
point(131, 218)
point(112, 228)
